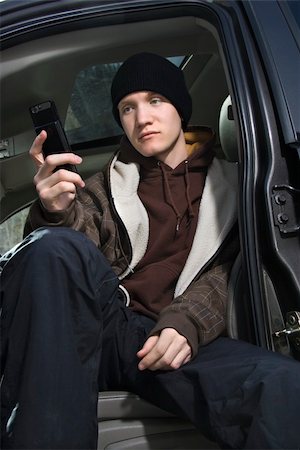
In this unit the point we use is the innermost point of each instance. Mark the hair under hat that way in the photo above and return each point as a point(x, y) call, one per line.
point(151, 72)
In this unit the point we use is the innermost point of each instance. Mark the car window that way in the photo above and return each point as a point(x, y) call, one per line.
point(89, 115)
point(11, 231)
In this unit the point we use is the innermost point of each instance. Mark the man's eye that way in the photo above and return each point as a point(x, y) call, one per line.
point(126, 109)
point(155, 100)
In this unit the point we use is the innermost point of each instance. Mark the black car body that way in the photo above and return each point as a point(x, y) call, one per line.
point(67, 50)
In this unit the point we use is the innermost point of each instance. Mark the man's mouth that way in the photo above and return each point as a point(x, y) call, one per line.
point(147, 135)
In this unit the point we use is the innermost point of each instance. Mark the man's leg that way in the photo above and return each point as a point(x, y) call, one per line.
point(56, 291)
point(236, 393)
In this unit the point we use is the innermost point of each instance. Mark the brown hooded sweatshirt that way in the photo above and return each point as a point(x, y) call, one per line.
point(171, 198)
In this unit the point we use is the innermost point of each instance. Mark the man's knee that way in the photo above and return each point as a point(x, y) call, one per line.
point(59, 240)
point(58, 253)
point(55, 242)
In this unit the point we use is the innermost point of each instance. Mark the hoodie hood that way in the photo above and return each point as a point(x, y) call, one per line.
point(199, 143)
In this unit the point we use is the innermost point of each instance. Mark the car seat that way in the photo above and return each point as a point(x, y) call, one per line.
point(125, 421)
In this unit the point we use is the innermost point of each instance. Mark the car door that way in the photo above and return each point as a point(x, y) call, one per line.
point(271, 192)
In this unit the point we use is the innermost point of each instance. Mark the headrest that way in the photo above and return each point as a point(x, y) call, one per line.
point(227, 131)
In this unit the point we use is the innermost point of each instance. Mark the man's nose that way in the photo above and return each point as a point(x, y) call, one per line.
point(143, 115)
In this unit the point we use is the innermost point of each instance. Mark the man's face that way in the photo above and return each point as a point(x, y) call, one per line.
point(153, 126)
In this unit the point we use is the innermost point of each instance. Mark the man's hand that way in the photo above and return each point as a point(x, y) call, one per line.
point(166, 351)
point(57, 189)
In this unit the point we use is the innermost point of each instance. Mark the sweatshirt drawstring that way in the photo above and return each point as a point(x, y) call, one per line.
point(187, 190)
point(169, 196)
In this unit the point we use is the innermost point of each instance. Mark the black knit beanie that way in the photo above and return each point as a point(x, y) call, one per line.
point(150, 72)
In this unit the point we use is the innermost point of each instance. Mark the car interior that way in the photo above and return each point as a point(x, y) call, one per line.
point(74, 68)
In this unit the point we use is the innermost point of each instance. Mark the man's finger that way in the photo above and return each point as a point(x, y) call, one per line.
point(180, 359)
point(155, 351)
point(146, 353)
point(64, 187)
point(47, 172)
point(172, 359)
point(60, 159)
point(36, 150)
point(170, 351)
point(148, 346)
point(47, 179)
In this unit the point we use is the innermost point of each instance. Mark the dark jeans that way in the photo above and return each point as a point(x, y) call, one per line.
point(66, 334)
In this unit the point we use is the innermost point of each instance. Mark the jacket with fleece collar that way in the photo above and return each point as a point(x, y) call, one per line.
point(110, 212)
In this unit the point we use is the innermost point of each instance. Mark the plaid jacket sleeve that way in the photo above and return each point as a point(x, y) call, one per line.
point(199, 313)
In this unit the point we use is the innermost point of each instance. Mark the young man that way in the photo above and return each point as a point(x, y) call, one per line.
point(125, 287)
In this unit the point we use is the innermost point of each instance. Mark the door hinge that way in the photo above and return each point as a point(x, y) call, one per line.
point(292, 328)
point(286, 200)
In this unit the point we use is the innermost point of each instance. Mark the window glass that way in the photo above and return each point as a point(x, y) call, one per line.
point(89, 115)
point(7, 148)
point(11, 231)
